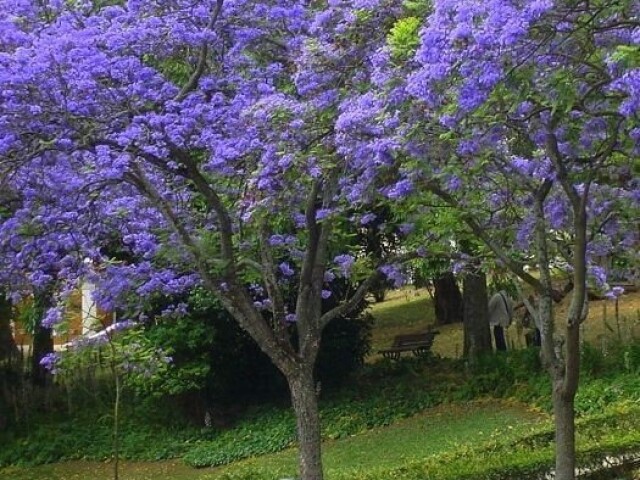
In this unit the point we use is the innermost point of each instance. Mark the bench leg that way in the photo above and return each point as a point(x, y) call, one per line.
point(421, 352)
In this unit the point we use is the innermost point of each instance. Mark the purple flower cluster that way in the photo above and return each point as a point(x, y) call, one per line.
point(51, 362)
point(614, 293)
point(395, 274)
point(345, 264)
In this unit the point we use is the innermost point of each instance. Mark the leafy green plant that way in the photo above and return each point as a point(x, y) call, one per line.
point(403, 38)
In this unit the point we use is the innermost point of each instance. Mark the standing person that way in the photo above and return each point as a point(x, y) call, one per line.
point(500, 315)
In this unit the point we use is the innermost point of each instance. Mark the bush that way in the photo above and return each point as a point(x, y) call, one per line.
point(266, 431)
point(595, 395)
point(592, 361)
point(89, 437)
point(241, 373)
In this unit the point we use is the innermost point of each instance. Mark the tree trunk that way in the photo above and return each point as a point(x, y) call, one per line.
point(9, 358)
point(8, 348)
point(564, 393)
point(447, 299)
point(565, 433)
point(42, 345)
point(563, 365)
point(305, 404)
point(477, 334)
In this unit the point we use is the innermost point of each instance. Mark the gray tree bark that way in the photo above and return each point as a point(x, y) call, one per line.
point(562, 356)
point(477, 334)
point(8, 348)
point(447, 300)
point(304, 399)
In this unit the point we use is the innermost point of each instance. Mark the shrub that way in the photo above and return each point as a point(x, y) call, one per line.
point(89, 437)
point(241, 373)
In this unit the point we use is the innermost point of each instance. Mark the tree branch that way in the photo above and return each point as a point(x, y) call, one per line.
point(225, 225)
point(364, 288)
point(313, 231)
point(235, 299)
point(481, 233)
point(192, 83)
point(274, 291)
point(553, 151)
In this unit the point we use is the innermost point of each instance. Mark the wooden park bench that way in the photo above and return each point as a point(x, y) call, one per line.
point(417, 343)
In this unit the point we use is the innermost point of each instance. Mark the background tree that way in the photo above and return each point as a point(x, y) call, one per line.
point(132, 360)
point(522, 115)
point(447, 299)
point(9, 361)
point(8, 349)
point(477, 333)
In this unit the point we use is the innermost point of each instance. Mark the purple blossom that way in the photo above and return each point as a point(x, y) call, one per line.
point(345, 264)
point(599, 274)
point(394, 273)
point(262, 304)
point(367, 218)
point(400, 190)
point(323, 213)
point(458, 267)
point(614, 293)
point(329, 276)
point(278, 240)
point(406, 228)
point(53, 317)
point(454, 183)
point(51, 362)
point(286, 269)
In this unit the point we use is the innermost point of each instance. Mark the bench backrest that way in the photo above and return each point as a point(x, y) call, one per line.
point(422, 339)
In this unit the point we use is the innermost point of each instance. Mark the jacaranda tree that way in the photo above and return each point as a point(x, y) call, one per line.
point(199, 141)
point(221, 142)
point(525, 118)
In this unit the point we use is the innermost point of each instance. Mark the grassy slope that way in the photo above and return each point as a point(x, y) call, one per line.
point(437, 430)
point(478, 440)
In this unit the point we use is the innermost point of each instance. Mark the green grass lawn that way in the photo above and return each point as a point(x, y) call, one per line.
point(437, 430)
point(441, 429)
